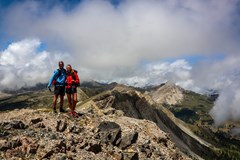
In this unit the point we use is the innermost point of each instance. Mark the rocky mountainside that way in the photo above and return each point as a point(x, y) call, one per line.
point(36, 134)
point(98, 133)
point(168, 93)
point(116, 122)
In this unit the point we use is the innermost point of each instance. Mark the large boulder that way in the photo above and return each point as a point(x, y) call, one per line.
point(109, 132)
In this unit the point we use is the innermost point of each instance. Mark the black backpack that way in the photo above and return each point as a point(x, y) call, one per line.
point(73, 76)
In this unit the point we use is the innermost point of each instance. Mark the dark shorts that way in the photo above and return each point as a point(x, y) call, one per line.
point(71, 90)
point(59, 90)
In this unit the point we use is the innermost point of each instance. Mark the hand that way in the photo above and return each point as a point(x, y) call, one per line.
point(49, 88)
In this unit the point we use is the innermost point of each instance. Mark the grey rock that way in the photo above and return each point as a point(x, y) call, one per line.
point(71, 143)
point(10, 144)
point(3, 146)
point(49, 129)
point(3, 133)
point(61, 145)
point(61, 126)
point(95, 148)
point(73, 149)
point(61, 156)
point(32, 148)
point(128, 140)
point(90, 110)
point(14, 143)
point(40, 125)
point(148, 149)
point(14, 125)
point(109, 132)
point(75, 129)
point(80, 113)
point(109, 111)
point(53, 136)
point(104, 101)
point(130, 156)
point(83, 144)
point(36, 120)
point(70, 137)
point(163, 141)
point(117, 155)
point(31, 133)
point(47, 154)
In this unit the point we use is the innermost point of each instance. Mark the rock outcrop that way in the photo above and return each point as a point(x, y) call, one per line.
point(140, 106)
point(38, 134)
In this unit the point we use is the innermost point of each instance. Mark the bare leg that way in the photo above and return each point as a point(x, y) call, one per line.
point(61, 101)
point(74, 100)
point(69, 101)
point(54, 101)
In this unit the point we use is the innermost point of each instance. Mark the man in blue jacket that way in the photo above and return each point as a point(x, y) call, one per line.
point(58, 80)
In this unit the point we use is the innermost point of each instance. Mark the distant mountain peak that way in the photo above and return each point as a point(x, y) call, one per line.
point(168, 93)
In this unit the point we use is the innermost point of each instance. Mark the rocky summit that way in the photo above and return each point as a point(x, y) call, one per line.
point(115, 122)
point(95, 134)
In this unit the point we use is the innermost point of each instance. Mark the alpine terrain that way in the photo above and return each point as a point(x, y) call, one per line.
point(115, 122)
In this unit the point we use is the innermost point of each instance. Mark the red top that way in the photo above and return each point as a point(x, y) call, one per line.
point(72, 79)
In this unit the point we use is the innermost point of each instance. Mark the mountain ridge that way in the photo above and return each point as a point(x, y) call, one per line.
point(123, 102)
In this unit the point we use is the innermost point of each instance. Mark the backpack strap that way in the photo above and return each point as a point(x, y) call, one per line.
point(59, 73)
point(73, 75)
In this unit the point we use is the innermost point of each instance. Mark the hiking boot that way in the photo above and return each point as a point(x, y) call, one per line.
point(54, 111)
point(73, 113)
point(62, 110)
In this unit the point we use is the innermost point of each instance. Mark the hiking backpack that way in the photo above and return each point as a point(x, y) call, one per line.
point(73, 76)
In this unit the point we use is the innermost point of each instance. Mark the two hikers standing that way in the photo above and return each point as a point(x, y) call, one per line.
point(65, 80)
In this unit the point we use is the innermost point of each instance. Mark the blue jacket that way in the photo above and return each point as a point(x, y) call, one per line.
point(60, 81)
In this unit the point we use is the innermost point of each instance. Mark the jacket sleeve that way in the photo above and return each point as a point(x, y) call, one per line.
point(77, 78)
point(52, 78)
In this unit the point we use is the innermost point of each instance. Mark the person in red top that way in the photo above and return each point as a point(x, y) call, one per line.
point(72, 81)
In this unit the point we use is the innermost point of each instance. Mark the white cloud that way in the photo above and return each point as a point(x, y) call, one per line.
point(17, 54)
point(227, 105)
point(160, 72)
point(101, 36)
point(216, 74)
point(222, 75)
point(22, 64)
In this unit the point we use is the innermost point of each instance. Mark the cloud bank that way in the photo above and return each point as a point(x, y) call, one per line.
point(227, 106)
point(178, 71)
point(100, 35)
point(21, 64)
point(107, 41)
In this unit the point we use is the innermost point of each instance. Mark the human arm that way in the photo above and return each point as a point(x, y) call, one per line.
point(77, 79)
point(52, 78)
